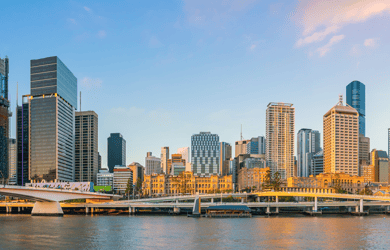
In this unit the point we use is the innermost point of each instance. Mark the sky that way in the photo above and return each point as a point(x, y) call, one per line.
point(160, 71)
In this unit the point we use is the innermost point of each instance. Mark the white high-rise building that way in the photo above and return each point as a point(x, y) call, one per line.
point(205, 154)
point(164, 159)
point(12, 174)
point(280, 125)
point(152, 164)
point(185, 153)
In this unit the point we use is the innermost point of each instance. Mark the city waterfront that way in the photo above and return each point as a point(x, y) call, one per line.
point(180, 232)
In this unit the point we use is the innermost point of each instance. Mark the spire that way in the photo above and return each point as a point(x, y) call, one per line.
point(340, 100)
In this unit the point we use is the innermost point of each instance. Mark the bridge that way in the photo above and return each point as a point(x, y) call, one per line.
point(47, 200)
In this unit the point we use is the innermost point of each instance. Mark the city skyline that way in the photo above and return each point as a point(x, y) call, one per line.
point(190, 82)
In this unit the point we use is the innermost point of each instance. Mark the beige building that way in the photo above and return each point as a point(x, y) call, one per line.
point(280, 125)
point(351, 184)
point(241, 147)
point(364, 151)
point(121, 177)
point(341, 140)
point(164, 158)
point(86, 146)
point(152, 164)
point(138, 171)
point(251, 178)
point(367, 172)
point(185, 183)
point(176, 158)
point(380, 162)
point(225, 153)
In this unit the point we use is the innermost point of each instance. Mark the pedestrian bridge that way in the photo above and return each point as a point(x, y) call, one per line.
point(47, 200)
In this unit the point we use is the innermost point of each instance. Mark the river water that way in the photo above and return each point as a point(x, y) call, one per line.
point(180, 232)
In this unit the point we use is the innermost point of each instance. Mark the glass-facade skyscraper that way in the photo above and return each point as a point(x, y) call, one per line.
point(52, 106)
point(4, 116)
point(308, 145)
point(205, 153)
point(116, 151)
point(22, 138)
point(356, 98)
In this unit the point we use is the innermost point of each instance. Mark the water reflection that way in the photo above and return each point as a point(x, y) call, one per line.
point(163, 232)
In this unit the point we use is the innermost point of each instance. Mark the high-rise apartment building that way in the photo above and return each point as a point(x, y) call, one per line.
point(225, 153)
point(86, 146)
point(308, 144)
point(280, 125)
point(256, 146)
point(22, 137)
point(12, 174)
point(4, 118)
point(341, 139)
point(164, 159)
point(52, 106)
point(205, 153)
point(356, 98)
point(380, 161)
point(152, 164)
point(185, 153)
point(116, 151)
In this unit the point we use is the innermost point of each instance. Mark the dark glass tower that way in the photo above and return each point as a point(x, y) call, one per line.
point(22, 130)
point(116, 153)
point(52, 106)
point(4, 116)
point(356, 98)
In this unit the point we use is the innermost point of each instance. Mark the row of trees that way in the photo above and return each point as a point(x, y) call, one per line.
point(137, 190)
point(272, 181)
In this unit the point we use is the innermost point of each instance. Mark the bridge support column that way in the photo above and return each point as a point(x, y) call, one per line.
point(258, 199)
point(18, 209)
point(242, 200)
point(268, 210)
point(7, 209)
point(86, 210)
point(212, 200)
point(91, 210)
point(177, 201)
point(315, 204)
point(277, 201)
point(47, 208)
point(357, 209)
point(361, 205)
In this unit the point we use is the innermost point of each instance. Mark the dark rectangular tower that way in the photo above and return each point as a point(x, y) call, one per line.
point(116, 151)
point(356, 98)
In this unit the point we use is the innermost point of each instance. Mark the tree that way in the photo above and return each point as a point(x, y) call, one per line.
point(277, 181)
point(267, 179)
point(129, 188)
point(366, 191)
point(138, 186)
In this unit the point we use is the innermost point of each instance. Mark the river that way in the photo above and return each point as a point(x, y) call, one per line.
point(180, 232)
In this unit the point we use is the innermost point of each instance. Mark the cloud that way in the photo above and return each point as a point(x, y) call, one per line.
point(71, 20)
point(326, 48)
point(90, 83)
point(102, 34)
point(372, 42)
point(252, 47)
point(320, 18)
point(355, 50)
point(87, 9)
point(154, 42)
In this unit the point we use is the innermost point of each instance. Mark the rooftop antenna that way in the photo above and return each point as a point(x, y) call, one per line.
point(17, 97)
point(241, 134)
point(80, 101)
point(340, 100)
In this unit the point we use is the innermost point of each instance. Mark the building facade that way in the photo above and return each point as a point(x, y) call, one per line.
point(116, 151)
point(13, 173)
point(152, 164)
point(138, 172)
point(185, 153)
point(122, 175)
point(256, 145)
point(105, 178)
point(86, 146)
point(205, 153)
point(341, 140)
point(241, 147)
point(308, 144)
point(176, 159)
point(252, 178)
point(356, 98)
point(225, 153)
point(317, 164)
point(185, 183)
point(380, 161)
point(364, 150)
point(164, 159)
point(22, 137)
point(280, 126)
point(52, 104)
point(4, 119)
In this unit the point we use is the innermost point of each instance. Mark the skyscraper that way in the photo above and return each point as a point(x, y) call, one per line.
point(241, 147)
point(12, 174)
point(152, 164)
point(22, 137)
point(280, 125)
point(86, 146)
point(308, 145)
point(52, 106)
point(185, 153)
point(364, 151)
point(356, 98)
point(205, 153)
point(164, 159)
point(4, 118)
point(341, 140)
point(380, 161)
point(116, 151)
point(224, 158)
point(317, 163)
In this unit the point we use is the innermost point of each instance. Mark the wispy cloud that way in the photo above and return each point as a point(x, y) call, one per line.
point(372, 42)
point(102, 34)
point(154, 42)
point(326, 48)
point(320, 18)
point(90, 83)
point(72, 21)
point(87, 9)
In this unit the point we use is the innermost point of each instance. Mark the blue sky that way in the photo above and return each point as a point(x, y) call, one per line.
point(160, 71)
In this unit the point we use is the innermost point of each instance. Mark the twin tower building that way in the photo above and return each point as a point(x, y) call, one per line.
point(54, 142)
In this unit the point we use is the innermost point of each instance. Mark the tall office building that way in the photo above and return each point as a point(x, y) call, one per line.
point(4, 118)
point(52, 106)
point(317, 163)
point(138, 172)
point(356, 98)
point(241, 147)
point(225, 153)
point(116, 151)
point(256, 146)
point(185, 153)
point(164, 159)
point(341, 139)
point(152, 164)
point(280, 125)
point(364, 151)
point(205, 153)
point(12, 174)
point(86, 146)
point(380, 161)
point(308, 144)
point(22, 137)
